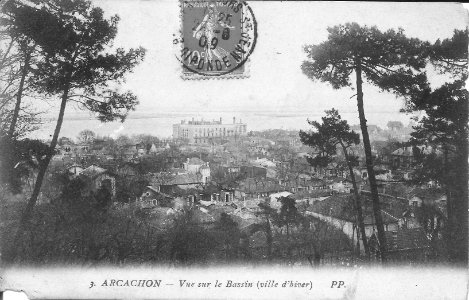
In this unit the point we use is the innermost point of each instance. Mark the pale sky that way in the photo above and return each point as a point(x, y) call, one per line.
point(276, 82)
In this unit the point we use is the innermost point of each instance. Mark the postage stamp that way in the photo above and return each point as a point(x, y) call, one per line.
point(134, 164)
point(217, 38)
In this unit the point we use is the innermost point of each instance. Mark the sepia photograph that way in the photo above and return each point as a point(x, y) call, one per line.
point(207, 149)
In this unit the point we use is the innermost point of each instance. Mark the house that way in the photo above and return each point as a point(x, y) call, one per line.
point(432, 196)
point(317, 184)
point(74, 170)
point(193, 165)
point(197, 166)
point(292, 185)
point(232, 169)
point(340, 185)
point(216, 194)
point(308, 197)
point(181, 181)
point(254, 189)
point(185, 185)
point(152, 197)
point(409, 245)
point(402, 158)
point(339, 211)
point(97, 178)
point(253, 171)
point(205, 173)
point(141, 149)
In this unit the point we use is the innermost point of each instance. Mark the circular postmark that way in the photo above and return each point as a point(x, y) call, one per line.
point(217, 37)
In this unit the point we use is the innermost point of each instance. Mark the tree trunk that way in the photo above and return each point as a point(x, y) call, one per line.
point(19, 94)
point(455, 174)
point(269, 240)
point(462, 203)
point(358, 203)
point(449, 227)
point(461, 209)
point(27, 213)
point(369, 164)
point(456, 183)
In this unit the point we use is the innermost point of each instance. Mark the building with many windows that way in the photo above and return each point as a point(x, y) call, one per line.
point(208, 132)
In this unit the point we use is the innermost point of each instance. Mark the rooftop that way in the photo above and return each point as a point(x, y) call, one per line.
point(406, 239)
point(341, 207)
point(195, 161)
point(205, 122)
point(183, 179)
point(93, 171)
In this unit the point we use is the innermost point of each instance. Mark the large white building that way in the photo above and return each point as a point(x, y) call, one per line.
point(207, 132)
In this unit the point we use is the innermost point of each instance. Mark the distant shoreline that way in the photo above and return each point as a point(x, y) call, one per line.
point(160, 124)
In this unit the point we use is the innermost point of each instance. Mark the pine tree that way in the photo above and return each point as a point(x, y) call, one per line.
point(334, 132)
point(444, 129)
point(388, 60)
point(79, 66)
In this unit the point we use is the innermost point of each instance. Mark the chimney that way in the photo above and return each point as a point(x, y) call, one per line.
point(220, 120)
point(234, 120)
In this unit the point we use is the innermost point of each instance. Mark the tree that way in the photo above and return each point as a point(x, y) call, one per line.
point(123, 140)
point(288, 214)
point(230, 235)
point(17, 56)
point(449, 56)
point(79, 66)
point(269, 214)
point(18, 157)
point(443, 128)
point(332, 133)
point(188, 240)
point(388, 60)
point(86, 136)
point(147, 139)
point(17, 60)
point(395, 125)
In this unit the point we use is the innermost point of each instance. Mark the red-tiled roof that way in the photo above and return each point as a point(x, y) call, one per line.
point(93, 171)
point(406, 239)
point(342, 207)
point(184, 179)
point(252, 186)
point(195, 161)
point(311, 194)
point(427, 194)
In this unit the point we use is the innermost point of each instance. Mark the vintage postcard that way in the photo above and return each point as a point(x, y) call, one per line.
point(207, 149)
